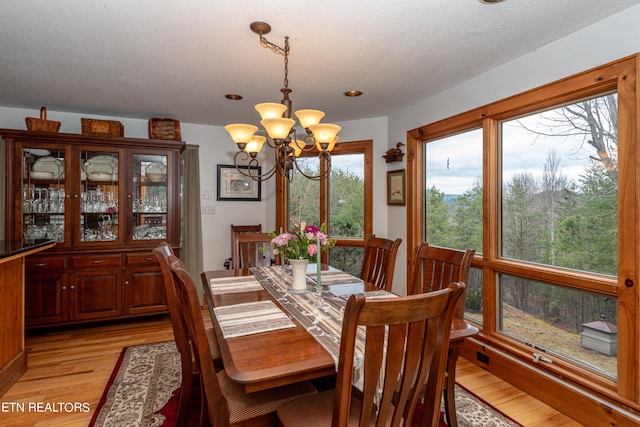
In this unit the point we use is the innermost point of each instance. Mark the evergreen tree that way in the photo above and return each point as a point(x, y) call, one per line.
point(437, 226)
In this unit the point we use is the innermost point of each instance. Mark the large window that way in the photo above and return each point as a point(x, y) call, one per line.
point(559, 183)
point(342, 201)
point(544, 186)
point(453, 202)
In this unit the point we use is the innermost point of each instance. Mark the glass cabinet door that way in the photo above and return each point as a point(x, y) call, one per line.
point(99, 196)
point(44, 193)
point(149, 194)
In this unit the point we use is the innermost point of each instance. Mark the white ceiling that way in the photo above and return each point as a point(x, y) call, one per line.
point(177, 58)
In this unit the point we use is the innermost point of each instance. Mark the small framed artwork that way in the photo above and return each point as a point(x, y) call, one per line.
point(396, 188)
point(233, 185)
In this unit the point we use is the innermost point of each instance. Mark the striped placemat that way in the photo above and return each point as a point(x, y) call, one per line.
point(227, 285)
point(251, 318)
point(336, 277)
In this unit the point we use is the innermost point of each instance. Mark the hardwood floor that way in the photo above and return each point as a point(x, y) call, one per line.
point(72, 365)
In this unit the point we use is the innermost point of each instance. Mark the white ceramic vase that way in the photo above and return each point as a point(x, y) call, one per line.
point(299, 272)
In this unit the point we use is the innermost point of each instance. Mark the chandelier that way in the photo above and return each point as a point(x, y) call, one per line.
point(280, 129)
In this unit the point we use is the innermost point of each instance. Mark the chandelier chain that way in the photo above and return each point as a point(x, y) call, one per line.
point(286, 62)
point(274, 47)
point(286, 147)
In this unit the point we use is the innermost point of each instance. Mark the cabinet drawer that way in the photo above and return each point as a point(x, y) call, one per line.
point(140, 258)
point(96, 261)
point(44, 264)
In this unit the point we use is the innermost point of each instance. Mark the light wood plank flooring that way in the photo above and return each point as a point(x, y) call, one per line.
point(72, 365)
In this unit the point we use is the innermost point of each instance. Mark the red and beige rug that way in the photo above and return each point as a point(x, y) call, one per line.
point(143, 392)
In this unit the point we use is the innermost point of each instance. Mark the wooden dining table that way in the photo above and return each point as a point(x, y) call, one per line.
point(285, 356)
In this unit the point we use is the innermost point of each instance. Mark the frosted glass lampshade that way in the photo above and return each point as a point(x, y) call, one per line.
point(241, 133)
point(324, 133)
point(278, 128)
point(255, 145)
point(331, 145)
point(270, 110)
point(297, 146)
point(309, 117)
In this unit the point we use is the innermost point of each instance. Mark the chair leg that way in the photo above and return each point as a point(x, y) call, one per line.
point(449, 388)
point(185, 397)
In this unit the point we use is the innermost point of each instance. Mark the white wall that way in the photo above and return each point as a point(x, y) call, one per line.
point(217, 148)
point(613, 38)
point(608, 40)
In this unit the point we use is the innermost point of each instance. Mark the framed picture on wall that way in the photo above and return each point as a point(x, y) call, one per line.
point(396, 188)
point(233, 185)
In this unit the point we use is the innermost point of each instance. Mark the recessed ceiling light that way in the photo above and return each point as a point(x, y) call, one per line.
point(233, 96)
point(491, 1)
point(352, 93)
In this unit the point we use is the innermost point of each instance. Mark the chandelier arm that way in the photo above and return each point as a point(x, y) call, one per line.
point(310, 142)
point(321, 176)
point(271, 143)
point(252, 163)
point(309, 147)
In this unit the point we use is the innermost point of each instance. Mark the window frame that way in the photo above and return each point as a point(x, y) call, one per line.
point(364, 147)
point(619, 76)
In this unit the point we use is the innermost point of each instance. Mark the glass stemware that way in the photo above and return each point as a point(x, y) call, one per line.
point(318, 291)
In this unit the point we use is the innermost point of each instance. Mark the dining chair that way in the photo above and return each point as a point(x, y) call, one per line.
point(406, 343)
point(252, 250)
point(181, 335)
point(379, 261)
point(224, 402)
point(435, 267)
point(240, 229)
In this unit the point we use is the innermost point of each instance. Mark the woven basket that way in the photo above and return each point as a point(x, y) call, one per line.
point(168, 129)
point(42, 124)
point(101, 127)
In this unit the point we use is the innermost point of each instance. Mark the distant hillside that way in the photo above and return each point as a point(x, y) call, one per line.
point(451, 199)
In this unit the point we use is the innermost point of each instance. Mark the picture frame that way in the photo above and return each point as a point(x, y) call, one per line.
point(396, 188)
point(233, 185)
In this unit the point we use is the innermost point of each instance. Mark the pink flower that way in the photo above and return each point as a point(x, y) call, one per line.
point(313, 249)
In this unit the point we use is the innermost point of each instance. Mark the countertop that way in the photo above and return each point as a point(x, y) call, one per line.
point(10, 248)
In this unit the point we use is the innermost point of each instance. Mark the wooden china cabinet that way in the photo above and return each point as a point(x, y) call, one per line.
point(107, 202)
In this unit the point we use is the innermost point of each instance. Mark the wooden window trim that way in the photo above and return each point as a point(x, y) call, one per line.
point(622, 76)
point(364, 147)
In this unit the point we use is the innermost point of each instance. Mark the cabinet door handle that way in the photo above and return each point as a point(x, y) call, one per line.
point(149, 258)
point(97, 261)
point(126, 282)
point(72, 287)
point(40, 264)
point(64, 288)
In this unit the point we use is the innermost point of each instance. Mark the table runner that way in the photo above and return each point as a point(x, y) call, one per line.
point(324, 323)
point(233, 284)
point(251, 318)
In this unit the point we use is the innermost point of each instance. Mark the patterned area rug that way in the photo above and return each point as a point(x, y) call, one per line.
point(143, 391)
point(143, 388)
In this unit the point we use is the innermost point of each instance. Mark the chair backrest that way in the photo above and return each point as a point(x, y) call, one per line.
point(162, 253)
point(416, 331)
point(214, 402)
point(436, 267)
point(379, 261)
point(241, 229)
point(181, 334)
point(252, 250)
